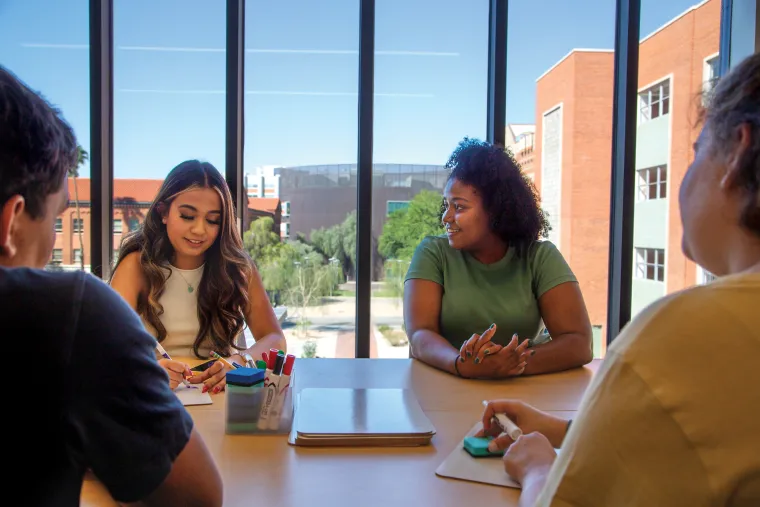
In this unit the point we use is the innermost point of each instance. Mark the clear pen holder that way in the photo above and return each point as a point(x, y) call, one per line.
point(258, 410)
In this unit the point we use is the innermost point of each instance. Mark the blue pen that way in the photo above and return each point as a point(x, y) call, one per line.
point(165, 355)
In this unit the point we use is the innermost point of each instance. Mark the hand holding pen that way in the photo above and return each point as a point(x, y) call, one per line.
point(178, 372)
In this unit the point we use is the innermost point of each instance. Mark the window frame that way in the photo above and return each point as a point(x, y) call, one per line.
point(646, 186)
point(647, 104)
point(650, 264)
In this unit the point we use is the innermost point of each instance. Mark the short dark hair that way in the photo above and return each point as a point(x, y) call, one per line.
point(509, 197)
point(37, 146)
point(735, 101)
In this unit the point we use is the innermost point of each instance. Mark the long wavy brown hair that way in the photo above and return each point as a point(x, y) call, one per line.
point(223, 291)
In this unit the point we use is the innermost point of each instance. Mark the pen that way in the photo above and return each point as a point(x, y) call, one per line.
point(506, 424)
point(166, 355)
point(249, 361)
point(224, 361)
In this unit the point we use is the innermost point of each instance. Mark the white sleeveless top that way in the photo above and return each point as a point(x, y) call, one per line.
point(180, 317)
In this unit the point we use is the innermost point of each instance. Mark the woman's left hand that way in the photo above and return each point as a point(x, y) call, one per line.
point(215, 378)
point(528, 454)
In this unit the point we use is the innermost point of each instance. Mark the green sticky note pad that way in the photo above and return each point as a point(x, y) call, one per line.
point(477, 447)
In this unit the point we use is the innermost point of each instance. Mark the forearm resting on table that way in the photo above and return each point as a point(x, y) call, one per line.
point(566, 351)
point(433, 349)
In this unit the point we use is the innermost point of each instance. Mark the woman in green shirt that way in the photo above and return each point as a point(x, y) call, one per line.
point(475, 298)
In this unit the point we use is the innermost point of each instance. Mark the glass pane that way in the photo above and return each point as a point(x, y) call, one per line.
point(169, 82)
point(301, 74)
point(430, 92)
point(673, 32)
point(46, 45)
point(565, 94)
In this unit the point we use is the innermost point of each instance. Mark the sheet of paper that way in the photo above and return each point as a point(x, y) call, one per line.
point(192, 396)
point(460, 465)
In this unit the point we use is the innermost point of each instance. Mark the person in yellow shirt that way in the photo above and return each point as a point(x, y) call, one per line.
point(672, 418)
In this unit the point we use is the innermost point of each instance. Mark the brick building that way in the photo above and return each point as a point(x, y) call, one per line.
point(573, 156)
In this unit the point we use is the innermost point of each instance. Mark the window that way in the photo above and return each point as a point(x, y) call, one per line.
point(710, 76)
point(117, 226)
point(671, 35)
point(392, 206)
point(420, 86)
point(77, 256)
point(57, 255)
point(652, 183)
point(46, 44)
point(301, 63)
point(654, 102)
point(650, 264)
point(77, 224)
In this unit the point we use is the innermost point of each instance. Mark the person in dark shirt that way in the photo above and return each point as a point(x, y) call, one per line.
point(93, 396)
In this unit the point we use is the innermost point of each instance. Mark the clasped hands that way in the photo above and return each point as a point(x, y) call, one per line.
point(479, 357)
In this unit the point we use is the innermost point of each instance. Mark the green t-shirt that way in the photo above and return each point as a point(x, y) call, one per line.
point(476, 295)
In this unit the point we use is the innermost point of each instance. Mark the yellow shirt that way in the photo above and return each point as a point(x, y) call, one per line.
point(672, 418)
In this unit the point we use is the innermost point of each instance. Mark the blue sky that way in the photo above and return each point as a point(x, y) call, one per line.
point(301, 73)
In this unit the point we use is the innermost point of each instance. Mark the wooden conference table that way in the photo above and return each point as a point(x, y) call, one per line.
point(265, 470)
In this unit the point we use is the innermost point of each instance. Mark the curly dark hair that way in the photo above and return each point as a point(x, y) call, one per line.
point(37, 146)
point(735, 101)
point(509, 197)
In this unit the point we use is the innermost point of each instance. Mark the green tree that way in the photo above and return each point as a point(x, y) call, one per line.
point(260, 240)
point(338, 242)
point(82, 157)
point(406, 228)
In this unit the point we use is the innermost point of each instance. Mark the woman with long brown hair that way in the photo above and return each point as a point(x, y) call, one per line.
point(187, 275)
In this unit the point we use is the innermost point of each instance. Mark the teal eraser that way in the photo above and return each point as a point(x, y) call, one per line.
point(477, 447)
point(245, 376)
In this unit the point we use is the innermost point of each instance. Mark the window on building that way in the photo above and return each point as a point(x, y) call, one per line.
point(650, 264)
point(654, 101)
point(59, 225)
point(117, 226)
point(710, 76)
point(77, 256)
point(286, 209)
point(78, 224)
point(652, 183)
point(392, 206)
point(704, 276)
point(57, 255)
point(285, 230)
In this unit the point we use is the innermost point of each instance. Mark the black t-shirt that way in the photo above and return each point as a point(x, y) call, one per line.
point(83, 391)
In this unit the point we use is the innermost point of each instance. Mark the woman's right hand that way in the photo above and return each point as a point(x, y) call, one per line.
point(527, 418)
point(177, 371)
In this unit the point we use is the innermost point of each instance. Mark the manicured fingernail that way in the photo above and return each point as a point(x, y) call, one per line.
point(469, 353)
point(205, 388)
point(492, 326)
point(532, 352)
point(477, 360)
point(461, 359)
point(217, 389)
point(486, 352)
point(492, 447)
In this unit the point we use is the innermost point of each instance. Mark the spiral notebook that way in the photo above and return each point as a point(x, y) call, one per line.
point(359, 417)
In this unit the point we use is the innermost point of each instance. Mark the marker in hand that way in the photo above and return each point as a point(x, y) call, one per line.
point(506, 424)
point(165, 355)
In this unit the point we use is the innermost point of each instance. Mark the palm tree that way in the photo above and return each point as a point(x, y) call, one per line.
point(82, 157)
